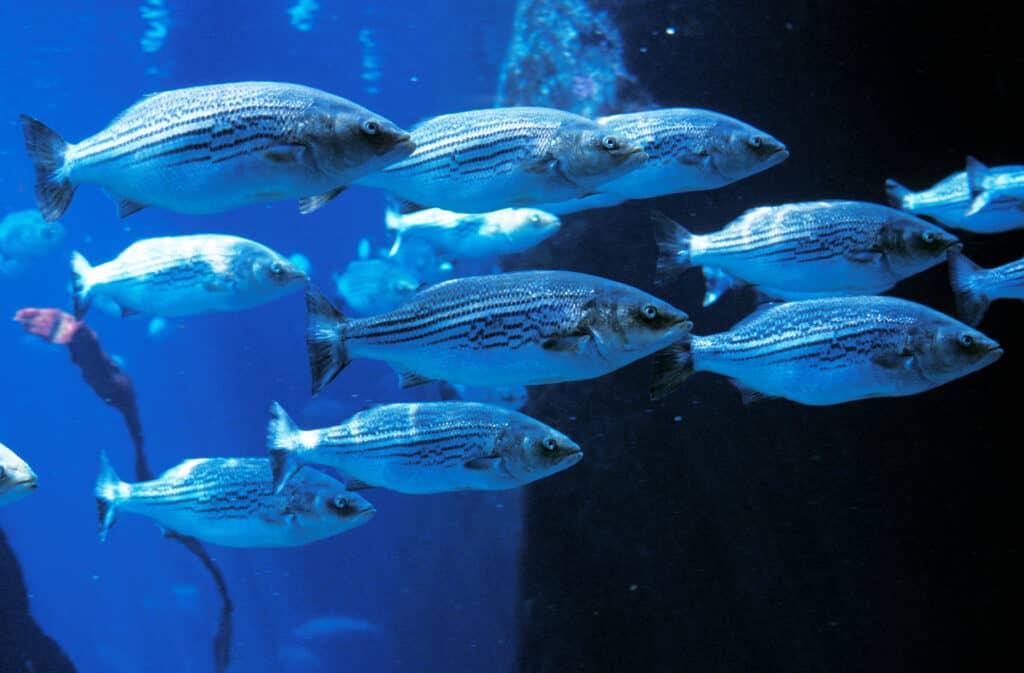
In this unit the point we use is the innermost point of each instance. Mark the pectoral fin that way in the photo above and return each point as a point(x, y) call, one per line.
point(567, 344)
point(864, 256)
point(308, 204)
point(891, 360)
point(284, 154)
point(484, 464)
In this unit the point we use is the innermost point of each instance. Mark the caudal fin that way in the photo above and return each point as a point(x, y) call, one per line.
point(110, 492)
point(672, 366)
point(896, 193)
point(673, 247)
point(80, 284)
point(283, 443)
point(46, 150)
point(971, 304)
point(325, 343)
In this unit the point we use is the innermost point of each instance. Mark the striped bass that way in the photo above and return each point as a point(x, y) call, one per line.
point(834, 350)
point(688, 150)
point(818, 248)
point(429, 447)
point(980, 199)
point(975, 288)
point(483, 160)
point(230, 502)
point(16, 478)
point(524, 328)
point(175, 276)
point(208, 149)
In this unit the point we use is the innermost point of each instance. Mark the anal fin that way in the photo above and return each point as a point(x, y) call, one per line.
point(126, 207)
point(308, 204)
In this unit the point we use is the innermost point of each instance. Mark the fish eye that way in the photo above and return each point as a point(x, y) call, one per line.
point(610, 143)
point(370, 127)
point(966, 340)
point(649, 311)
point(276, 268)
point(340, 503)
point(3, 473)
point(550, 444)
point(928, 237)
point(756, 142)
point(535, 218)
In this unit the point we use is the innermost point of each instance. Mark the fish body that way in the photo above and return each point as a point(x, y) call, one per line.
point(175, 276)
point(429, 447)
point(975, 288)
point(461, 235)
point(25, 235)
point(980, 199)
point(373, 286)
point(208, 149)
point(484, 160)
point(231, 502)
point(818, 248)
point(523, 328)
point(16, 478)
point(834, 350)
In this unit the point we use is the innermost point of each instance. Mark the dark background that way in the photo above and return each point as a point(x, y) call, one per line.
point(870, 536)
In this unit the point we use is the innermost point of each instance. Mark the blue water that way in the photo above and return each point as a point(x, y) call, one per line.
point(436, 577)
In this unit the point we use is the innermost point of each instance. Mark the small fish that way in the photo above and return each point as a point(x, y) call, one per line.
point(524, 328)
point(25, 235)
point(208, 149)
point(819, 248)
point(688, 149)
point(511, 397)
point(177, 276)
point(834, 350)
point(230, 502)
point(16, 478)
point(975, 288)
point(373, 286)
point(429, 447)
point(981, 199)
point(484, 160)
point(460, 235)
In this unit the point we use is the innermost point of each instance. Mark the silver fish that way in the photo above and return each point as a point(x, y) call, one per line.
point(688, 149)
point(429, 447)
point(373, 286)
point(208, 149)
point(524, 328)
point(975, 288)
point(980, 199)
point(230, 502)
point(461, 235)
point(16, 478)
point(816, 248)
point(834, 350)
point(186, 275)
point(25, 235)
point(483, 160)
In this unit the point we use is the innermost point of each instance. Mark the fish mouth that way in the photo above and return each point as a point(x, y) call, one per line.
point(30, 484)
point(574, 457)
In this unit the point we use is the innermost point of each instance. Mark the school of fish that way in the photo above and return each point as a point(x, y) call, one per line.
point(464, 189)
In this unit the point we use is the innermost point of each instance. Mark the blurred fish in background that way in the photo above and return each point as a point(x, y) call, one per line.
point(24, 236)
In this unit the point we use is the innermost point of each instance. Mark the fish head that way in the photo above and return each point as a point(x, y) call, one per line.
point(737, 150)
point(346, 509)
point(274, 272)
point(535, 225)
point(629, 320)
point(591, 155)
point(946, 349)
point(16, 478)
point(531, 450)
point(911, 243)
point(348, 141)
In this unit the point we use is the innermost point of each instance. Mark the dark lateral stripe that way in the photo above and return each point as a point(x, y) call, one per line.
point(771, 352)
point(430, 153)
point(442, 323)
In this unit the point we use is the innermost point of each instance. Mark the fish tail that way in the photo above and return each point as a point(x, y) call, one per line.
point(46, 149)
point(673, 247)
point(81, 285)
point(110, 491)
point(283, 442)
point(971, 304)
point(325, 342)
point(896, 193)
point(672, 366)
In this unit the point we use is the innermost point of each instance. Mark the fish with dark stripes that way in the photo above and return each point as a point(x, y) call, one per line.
point(523, 328)
point(231, 502)
point(175, 276)
point(803, 250)
point(209, 149)
point(975, 288)
point(484, 160)
point(428, 447)
point(688, 150)
point(980, 199)
point(833, 350)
